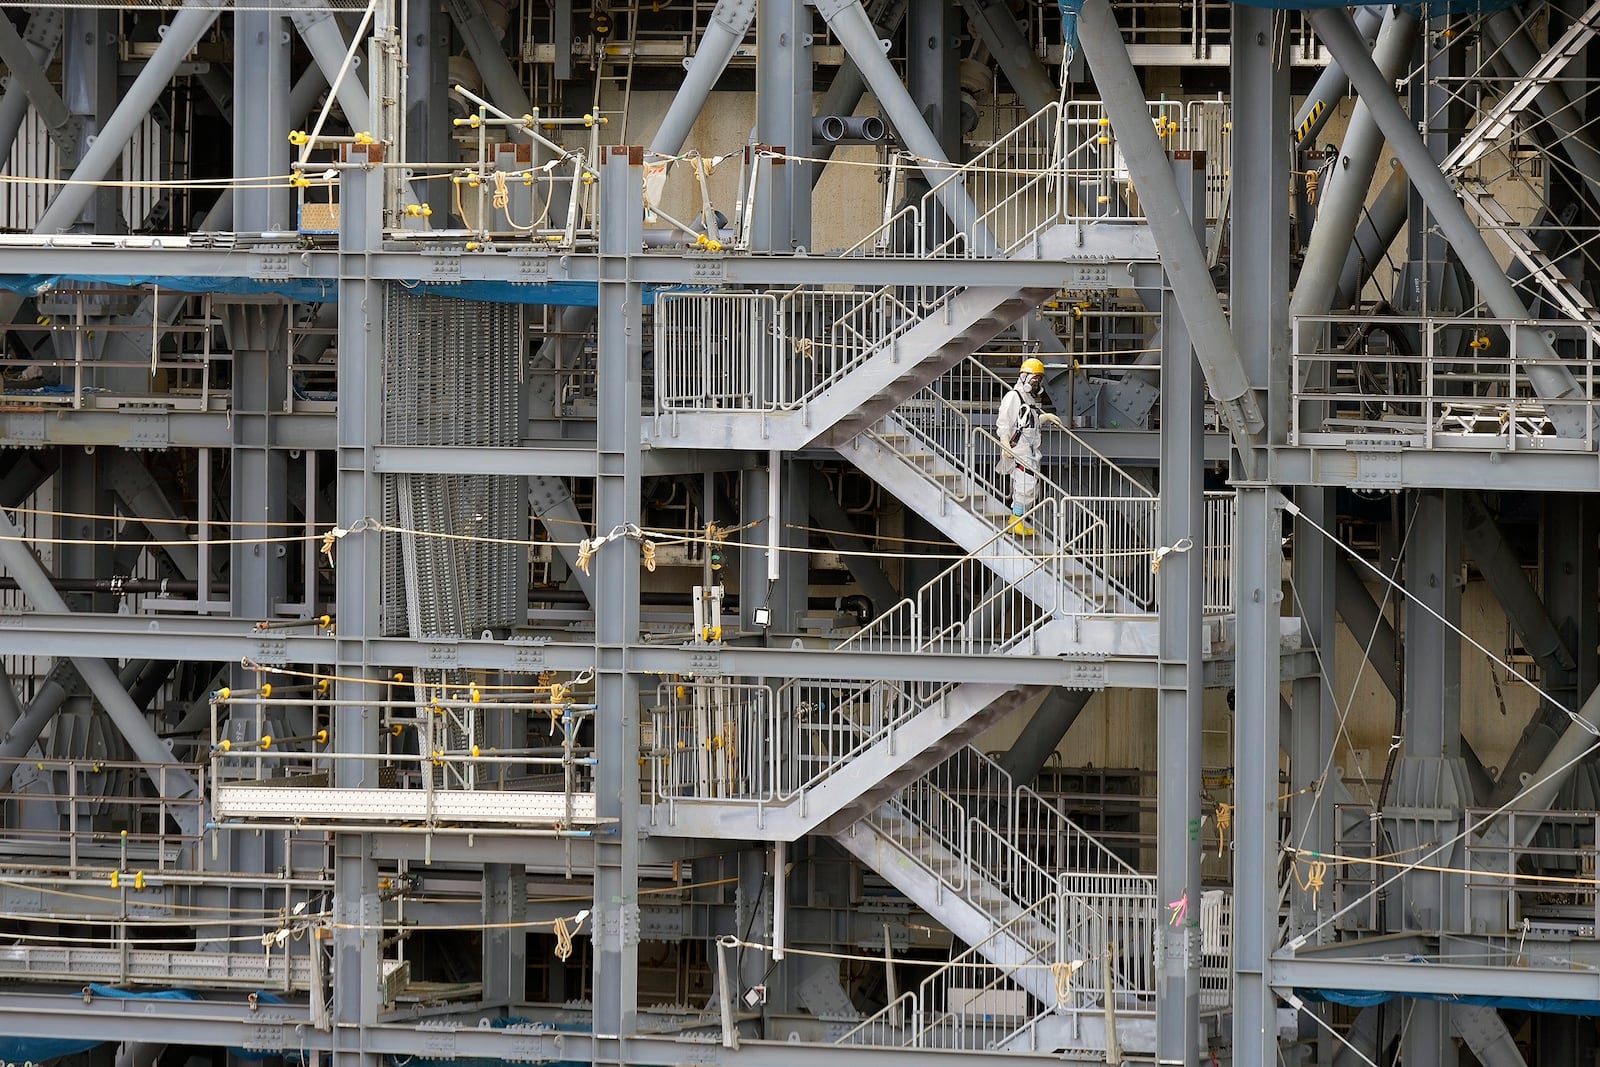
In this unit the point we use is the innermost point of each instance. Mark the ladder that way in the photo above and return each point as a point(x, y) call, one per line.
point(613, 66)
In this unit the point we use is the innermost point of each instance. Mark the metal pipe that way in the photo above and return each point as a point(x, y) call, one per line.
point(1331, 84)
point(780, 896)
point(730, 20)
point(850, 25)
point(10, 710)
point(1013, 51)
point(183, 33)
point(1181, 253)
point(1340, 203)
point(1553, 383)
point(1506, 578)
point(1380, 225)
point(127, 716)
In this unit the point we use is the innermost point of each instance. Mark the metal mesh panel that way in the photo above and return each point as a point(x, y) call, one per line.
point(451, 378)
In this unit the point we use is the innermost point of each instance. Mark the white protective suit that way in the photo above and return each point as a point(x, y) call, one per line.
point(1017, 426)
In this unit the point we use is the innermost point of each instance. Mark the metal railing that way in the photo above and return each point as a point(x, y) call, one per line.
point(1437, 382)
point(775, 350)
point(1100, 545)
point(448, 754)
point(970, 1002)
point(1015, 186)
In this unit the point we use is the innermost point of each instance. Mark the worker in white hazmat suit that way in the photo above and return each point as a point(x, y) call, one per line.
point(1018, 425)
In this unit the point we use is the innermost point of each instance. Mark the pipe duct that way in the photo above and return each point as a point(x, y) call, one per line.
point(837, 129)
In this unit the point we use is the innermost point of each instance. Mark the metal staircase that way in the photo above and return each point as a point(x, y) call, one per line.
point(781, 369)
point(1060, 922)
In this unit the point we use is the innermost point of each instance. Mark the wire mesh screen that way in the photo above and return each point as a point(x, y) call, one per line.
point(451, 378)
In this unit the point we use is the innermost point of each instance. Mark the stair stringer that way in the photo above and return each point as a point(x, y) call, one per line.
point(1108, 625)
point(904, 754)
point(959, 913)
point(981, 925)
point(864, 398)
point(957, 328)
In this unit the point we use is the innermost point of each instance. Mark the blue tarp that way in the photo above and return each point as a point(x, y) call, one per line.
point(314, 291)
point(39, 1049)
point(1366, 998)
point(1423, 10)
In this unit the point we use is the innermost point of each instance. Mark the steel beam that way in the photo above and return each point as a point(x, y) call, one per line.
point(42, 35)
point(188, 25)
point(325, 41)
point(995, 23)
point(1317, 108)
point(26, 74)
point(854, 30)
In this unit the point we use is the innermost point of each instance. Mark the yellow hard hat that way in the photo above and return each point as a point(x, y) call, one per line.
point(1032, 366)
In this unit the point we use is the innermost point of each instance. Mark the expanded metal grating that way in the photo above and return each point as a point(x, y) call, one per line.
point(451, 378)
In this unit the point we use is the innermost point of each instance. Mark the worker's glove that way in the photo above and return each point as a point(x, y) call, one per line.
point(1048, 419)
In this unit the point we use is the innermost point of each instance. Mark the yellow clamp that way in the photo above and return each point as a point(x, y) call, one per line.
point(1480, 342)
point(299, 181)
point(365, 138)
point(423, 211)
point(320, 737)
point(299, 137)
point(266, 690)
point(475, 696)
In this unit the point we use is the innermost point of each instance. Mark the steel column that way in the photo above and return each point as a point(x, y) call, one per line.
point(260, 145)
point(1179, 698)
point(783, 118)
point(358, 581)
point(1258, 585)
point(616, 866)
point(1259, 281)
